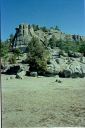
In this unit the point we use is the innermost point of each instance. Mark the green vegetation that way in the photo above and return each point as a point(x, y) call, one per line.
point(35, 27)
point(82, 48)
point(11, 38)
point(4, 52)
point(57, 28)
point(78, 46)
point(12, 59)
point(73, 46)
point(37, 51)
point(52, 42)
point(37, 56)
point(17, 52)
point(44, 29)
point(4, 49)
point(67, 45)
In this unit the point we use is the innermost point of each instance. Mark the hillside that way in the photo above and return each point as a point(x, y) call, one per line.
point(24, 34)
point(48, 51)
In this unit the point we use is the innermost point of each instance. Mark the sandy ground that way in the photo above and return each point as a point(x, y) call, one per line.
point(39, 102)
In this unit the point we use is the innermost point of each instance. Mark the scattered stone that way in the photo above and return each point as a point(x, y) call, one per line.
point(20, 74)
point(11, 77)
point(7, 78)
point(34, 74)
point(58, 80)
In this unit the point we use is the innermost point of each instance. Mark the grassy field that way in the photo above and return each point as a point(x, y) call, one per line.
point(42, 102)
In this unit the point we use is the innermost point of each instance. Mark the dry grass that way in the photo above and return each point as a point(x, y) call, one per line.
point(37, 102)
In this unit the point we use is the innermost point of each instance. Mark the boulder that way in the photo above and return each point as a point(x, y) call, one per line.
point(12, 77)
point(20, 74)
point(61, 61)
point(83, 69)
point(82, 60)
point(77, 54)
point(34, 74)
point(54, 53)
point(63, 53)
point(74, 54)
point(74, 70)
point(53, 67)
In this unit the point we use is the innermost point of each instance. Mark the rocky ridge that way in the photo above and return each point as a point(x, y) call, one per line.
point(24, 34)
point(71, 64)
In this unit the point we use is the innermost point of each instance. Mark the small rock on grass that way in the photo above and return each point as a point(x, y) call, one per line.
point(7, 78)
point(58, 80)
point(12, 77)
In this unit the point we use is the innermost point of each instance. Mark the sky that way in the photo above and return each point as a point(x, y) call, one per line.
point(69, 15)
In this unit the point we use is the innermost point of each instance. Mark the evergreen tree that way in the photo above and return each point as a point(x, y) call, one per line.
point(37, 56)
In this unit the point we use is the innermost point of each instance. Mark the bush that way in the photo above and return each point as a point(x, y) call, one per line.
point(4, 51)
point(37, 56)
point(12, 60)
point(52, 42)
point(35, 27)
point(57, 28)
point(69, 46)
point(82, 48)
point(17, 52)
point(44, 29)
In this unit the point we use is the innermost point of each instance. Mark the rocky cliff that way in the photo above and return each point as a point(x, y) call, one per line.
point(24, 34)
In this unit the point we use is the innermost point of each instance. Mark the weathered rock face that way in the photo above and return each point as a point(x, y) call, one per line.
point(56, 63)
point(24, 34)
point(66, 66)
point(74, 70)
point(69, 64)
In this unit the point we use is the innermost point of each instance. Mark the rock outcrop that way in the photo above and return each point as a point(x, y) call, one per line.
point(24, 34)
point(70, 64)
point(74, 70)
point(66, 66)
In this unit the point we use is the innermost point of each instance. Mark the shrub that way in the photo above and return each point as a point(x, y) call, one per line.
point(35, 27)
point(44, 29)
point(52, 42)
point(69, 46)
point(37, 56)
point(57, 28)
point(4, 51)
point(12, 60)
point(82, 48)
point(17, 52)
